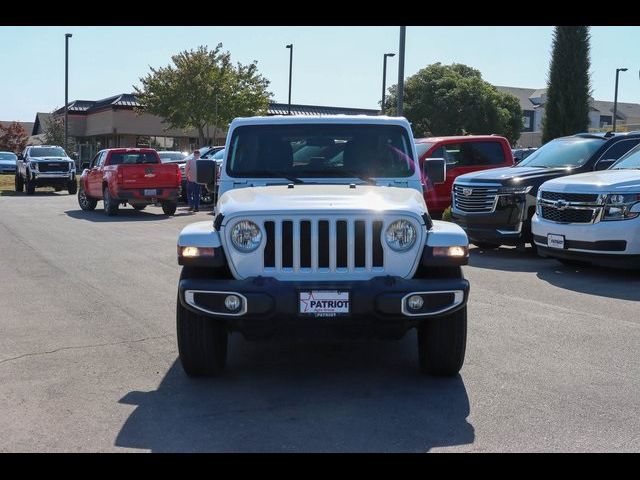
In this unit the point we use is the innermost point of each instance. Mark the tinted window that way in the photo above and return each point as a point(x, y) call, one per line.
point(320, 150)
point(8, 156)
point(132, 158)
point(472, 154)
point(47, 152)
point(439, 152)
point(219, 155)
point(618, 149)
point(630, 160)
point(563, 153)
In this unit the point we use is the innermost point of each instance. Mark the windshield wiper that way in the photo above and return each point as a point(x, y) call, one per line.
point(349, 173)
point(287, 176)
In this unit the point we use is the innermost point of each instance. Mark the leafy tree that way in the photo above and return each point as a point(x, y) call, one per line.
point(201, 88)
point(53, 130)
point(13, 137)
point(453, 100)
point(568, 86)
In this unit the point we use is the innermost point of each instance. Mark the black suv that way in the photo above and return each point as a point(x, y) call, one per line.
point(495, 206)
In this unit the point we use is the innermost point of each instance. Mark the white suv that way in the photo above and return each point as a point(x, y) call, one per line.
point(592, 217)
point(321, 223)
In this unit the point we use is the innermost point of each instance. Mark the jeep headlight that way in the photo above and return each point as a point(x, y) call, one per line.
point(401, 235)
point(246, 236)
point(621, 207)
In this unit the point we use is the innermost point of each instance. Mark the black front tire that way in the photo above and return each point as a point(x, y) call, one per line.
point(110, 204)
point(19, 183)
point(86, 203)
point(442, 343)
point(486, 245)
point(169, 208)
point(202, 343)
point(72, 187)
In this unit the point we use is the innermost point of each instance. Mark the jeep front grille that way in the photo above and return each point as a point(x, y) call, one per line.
point(474, 199)
point(323, 245)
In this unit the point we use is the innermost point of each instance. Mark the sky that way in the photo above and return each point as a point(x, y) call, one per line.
point(337, 66)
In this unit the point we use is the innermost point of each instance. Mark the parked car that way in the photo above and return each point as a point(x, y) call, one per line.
point(167, 156)
point(45, 166)
point(495, 207)
point(129, 175)
point(463, 154)
point(8, 162)
point(520, 154)
point(592, 217)
point(336, 236)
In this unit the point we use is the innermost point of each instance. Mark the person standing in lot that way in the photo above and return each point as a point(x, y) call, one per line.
point(193, 188)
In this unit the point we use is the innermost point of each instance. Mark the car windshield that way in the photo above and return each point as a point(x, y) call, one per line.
point(8, 156)
point(132, 158)
point(563, 153)
point(171, 156)
point(219, 155)
point(629, 160)
point(320, 151)
point(47, 152)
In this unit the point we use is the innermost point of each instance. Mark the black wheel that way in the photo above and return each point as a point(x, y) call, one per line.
point(169, 208)
point(139, 207)
point(29, 186)
point(110, 204)
point(86, 203)
point(486, 245)
point(442, 343)
point(72, 187)
point(19, 183)
point(202, 343)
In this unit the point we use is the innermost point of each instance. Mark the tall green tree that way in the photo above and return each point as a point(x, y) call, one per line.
point(53, 130)
point(568, 86)
point(13, 137)
point(203, 87)
point(453, 100)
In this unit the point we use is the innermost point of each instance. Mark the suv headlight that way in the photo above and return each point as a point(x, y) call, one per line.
point(400, 235)
point(514, 190)
point(246, 236)
point(33, 165)
point(621, 207)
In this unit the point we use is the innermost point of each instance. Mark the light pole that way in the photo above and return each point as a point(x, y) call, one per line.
point(403, 32)
point(615, 98)
point(290, 47)
point(384, 76)
point(67, 36)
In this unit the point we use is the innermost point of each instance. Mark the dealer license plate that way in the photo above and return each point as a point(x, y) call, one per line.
point(324, 303)
point(555, 241)
point(150, 192)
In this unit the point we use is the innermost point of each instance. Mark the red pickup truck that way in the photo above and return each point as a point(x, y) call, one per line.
point(129, 175)
point(463, 154)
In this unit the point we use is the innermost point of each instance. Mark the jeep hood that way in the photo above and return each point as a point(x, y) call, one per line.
point(622, 180)
point(320, 198)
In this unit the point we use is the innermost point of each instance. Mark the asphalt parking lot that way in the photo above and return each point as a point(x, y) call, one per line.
point(88, 355)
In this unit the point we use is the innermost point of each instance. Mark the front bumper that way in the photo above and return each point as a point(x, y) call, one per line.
point(52, 179)
point(613, 244)
point(376, 306)
point(506, 225)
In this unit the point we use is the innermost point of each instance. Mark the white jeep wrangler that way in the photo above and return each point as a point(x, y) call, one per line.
point(321, 223)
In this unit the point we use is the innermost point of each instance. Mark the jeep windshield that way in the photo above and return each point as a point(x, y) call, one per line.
point(47, 152)
point(320, 151)
point(569, 152)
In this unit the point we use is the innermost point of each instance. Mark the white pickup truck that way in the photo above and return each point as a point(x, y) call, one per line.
point(321, 224)
point(592, 217)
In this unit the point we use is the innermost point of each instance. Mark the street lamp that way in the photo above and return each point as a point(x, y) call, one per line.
point(615, 98)
point(290, 47)
point(403, 33)
point(384, 76)
point(67, 36)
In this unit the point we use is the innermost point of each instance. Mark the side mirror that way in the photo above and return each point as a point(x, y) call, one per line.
point(84, 165)
point(435, 169)
point(206, 172)
point(20, 156)
point(604, 164)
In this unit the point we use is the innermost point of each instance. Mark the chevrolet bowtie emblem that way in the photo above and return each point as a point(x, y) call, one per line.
point(148, 173)
point(560, 204)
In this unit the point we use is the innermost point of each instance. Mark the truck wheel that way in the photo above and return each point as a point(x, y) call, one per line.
point(19, 183)
point(202, 343)
point(87, 204)
point(169, 208)
point(442, 343)
point(72, 187)
point(139, 207)
point(110, 204)
point(486, 245)
point(29, 186)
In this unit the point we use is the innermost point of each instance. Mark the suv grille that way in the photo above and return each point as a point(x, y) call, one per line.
point(323, 245)
point(570, 197)
point(567, 215)
point(474, 199)
point(53, 166)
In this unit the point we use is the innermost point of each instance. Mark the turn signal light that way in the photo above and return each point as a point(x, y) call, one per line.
point(192, 252)
point(455, 251)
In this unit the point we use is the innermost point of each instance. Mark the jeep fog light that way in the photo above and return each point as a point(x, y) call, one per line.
point(415, 302)
point(193, 252)
point(232, 302)
point(455, 251)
